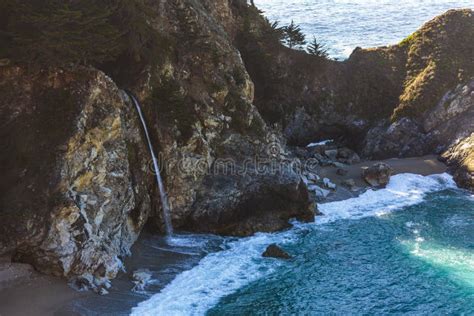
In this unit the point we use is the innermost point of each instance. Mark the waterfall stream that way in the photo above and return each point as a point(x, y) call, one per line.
point(159, 180)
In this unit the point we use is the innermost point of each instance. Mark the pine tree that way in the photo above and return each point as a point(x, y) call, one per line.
point(272, 32)
point(294, 37)
point(317, 49)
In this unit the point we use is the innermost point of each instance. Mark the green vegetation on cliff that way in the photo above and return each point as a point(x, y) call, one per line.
point(59, 33)
point(438, 58)
point(172, 107)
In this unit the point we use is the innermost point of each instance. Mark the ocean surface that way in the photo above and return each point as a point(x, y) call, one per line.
point(408, 248)
point(343, 25)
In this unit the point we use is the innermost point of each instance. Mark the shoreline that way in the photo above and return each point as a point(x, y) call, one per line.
point(24, 291)
point(424, 166)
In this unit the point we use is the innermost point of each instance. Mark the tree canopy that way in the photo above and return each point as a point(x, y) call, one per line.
point(317, 49)
point(61, 32)
point(293, 36)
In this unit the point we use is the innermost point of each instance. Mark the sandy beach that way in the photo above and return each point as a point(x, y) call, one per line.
point(419, 165)
point(25, 292)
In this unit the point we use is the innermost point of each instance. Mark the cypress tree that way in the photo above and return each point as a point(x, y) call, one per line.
point(317, 49)
point(294, 36)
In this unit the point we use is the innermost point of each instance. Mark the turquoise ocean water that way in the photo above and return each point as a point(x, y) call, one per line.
point(408, 248)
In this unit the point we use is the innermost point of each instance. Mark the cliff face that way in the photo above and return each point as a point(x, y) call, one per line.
point(221, 100)
point(409, 99)
point(199, 101)
point(75, 189)
point(453, 124)
point(78, 187)
point(357, 100)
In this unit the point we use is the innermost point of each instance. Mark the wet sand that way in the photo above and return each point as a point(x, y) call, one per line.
point(25, 292)
point(424, 166)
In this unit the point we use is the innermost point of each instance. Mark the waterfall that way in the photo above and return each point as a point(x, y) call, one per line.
point(159, 180)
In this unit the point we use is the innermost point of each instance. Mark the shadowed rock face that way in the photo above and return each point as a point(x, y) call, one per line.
point(76, 186)
point(460, 158)
point(75, 190)
point(243, 205)
point(358, 100)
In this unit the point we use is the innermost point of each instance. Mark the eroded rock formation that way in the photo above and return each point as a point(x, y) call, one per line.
point(221, 100)
point(75, 187)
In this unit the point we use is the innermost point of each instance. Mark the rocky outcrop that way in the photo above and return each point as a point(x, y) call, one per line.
point(460, 158)
point(444, 129)
point(377, 175)
point(403, 138)
point(274, 251)
point(200, 105)
point(375, 101)
point(253, 201)
point(75, 186)
point(410, 99)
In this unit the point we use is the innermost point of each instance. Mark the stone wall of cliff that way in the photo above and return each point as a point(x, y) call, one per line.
point(75, 188)
point(78, 187)
point(221, 99)
point(409, 99)
point(313, 98)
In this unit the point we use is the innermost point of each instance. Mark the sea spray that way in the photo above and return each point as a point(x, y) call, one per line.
point(161, 188)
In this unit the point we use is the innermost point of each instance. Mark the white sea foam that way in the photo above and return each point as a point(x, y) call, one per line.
point(193, 292)
point(403, 190)
point(219, 274)
point(321, 143)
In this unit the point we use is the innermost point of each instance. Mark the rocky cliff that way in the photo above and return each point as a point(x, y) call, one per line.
point(405, 100)
point(77, 185)
point(313, 98)
point(221, 98)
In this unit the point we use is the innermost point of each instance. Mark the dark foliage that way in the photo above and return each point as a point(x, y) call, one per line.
point(173, 108)
point(55, 32)
point(272, 32)
point(317, 49)
point(99, 33)
point(293, 36)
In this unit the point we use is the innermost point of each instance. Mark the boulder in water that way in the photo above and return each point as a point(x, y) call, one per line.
point(141, 278)
point(274, 251)
point(378, 175)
